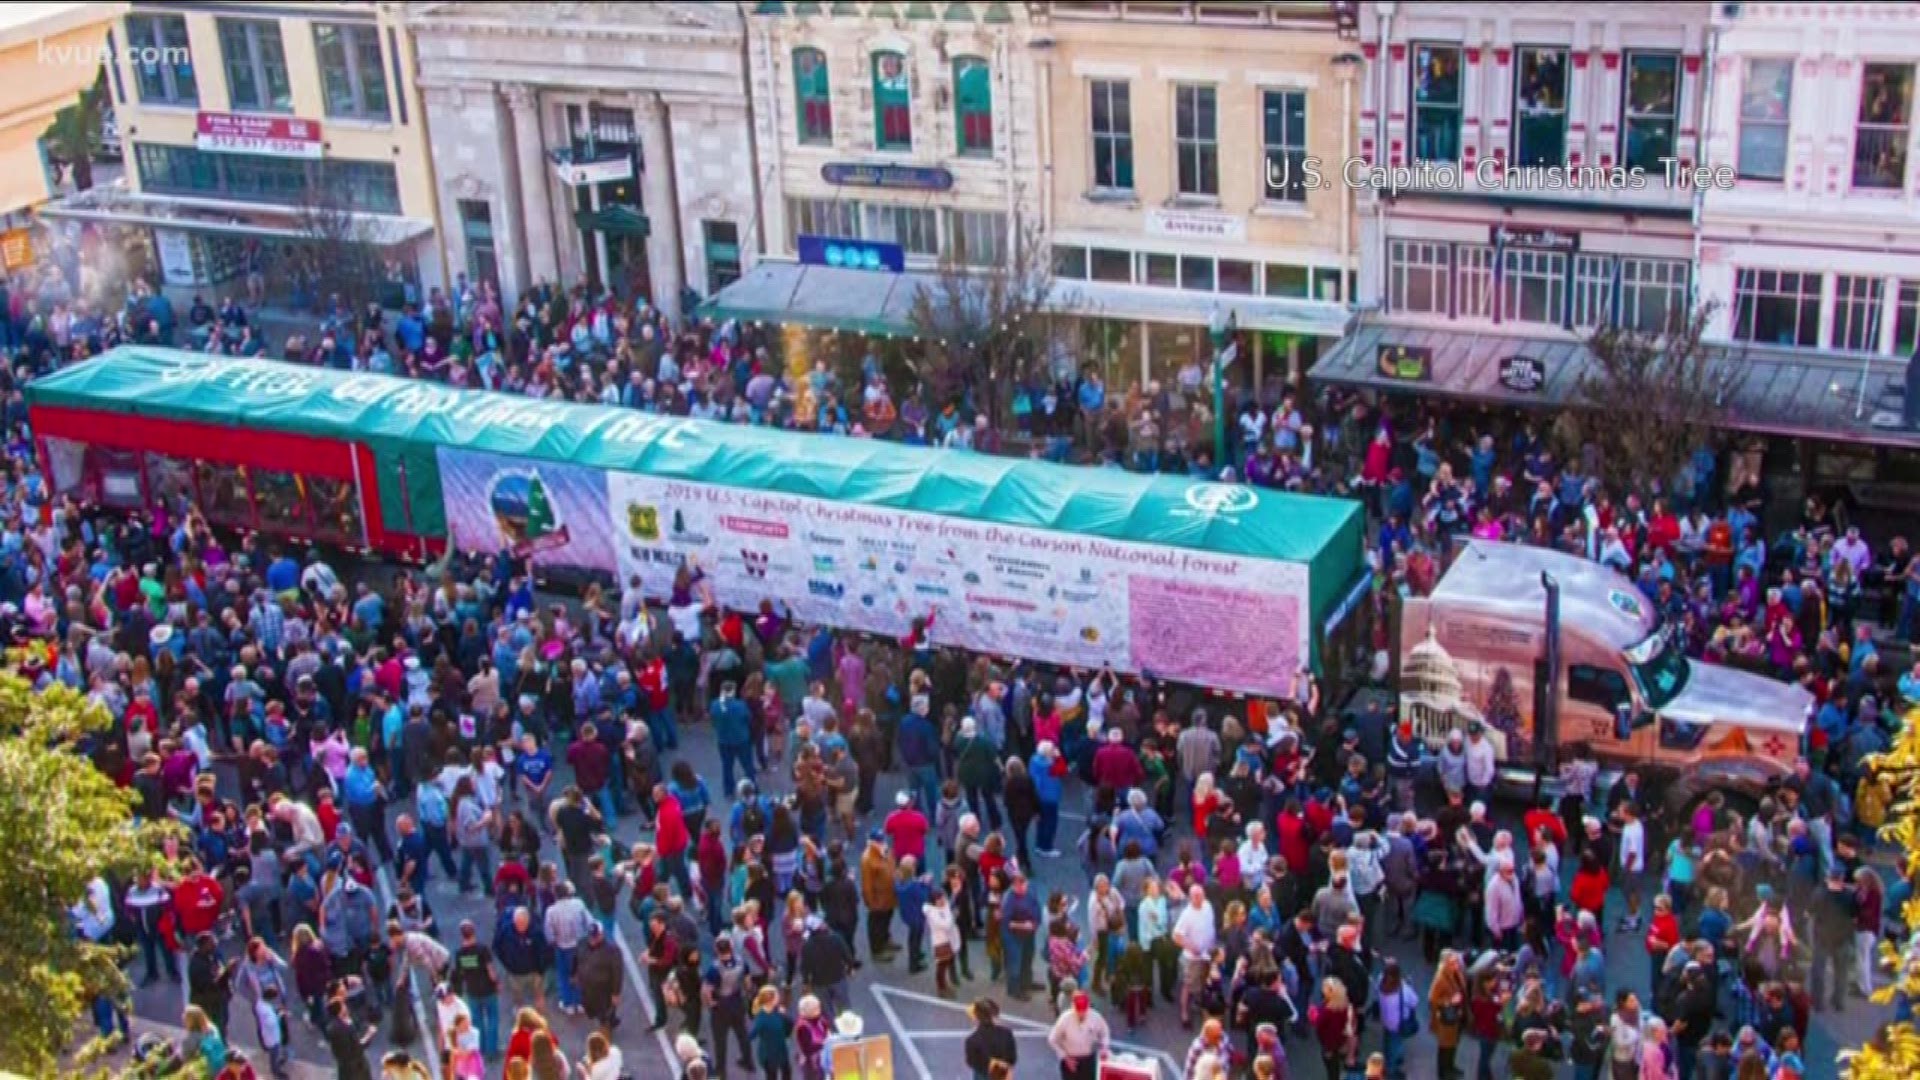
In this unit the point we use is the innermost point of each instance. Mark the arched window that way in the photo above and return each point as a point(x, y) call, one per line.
point(813, 104)
point(892, 103)
point(972, 105)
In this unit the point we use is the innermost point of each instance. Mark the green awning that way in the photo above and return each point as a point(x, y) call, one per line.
point(613, 220)
point(822, 297)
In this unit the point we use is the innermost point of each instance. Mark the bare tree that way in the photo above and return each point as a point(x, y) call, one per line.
point(980, 324)
point(339, 252)
point(1653, 398)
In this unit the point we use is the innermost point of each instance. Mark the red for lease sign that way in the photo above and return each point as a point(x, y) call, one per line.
point(275, 136)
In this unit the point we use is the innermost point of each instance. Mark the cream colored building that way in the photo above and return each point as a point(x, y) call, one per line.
point(1176, 141)
point(243, 125)
point(909, 125)
point(597, 142)
point(49, 52)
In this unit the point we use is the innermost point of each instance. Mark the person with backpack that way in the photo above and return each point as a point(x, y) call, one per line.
point(1398, 1008)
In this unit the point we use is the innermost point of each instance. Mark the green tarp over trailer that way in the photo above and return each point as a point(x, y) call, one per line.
point(405, 421)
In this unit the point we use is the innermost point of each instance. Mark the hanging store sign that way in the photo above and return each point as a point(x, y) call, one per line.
point(273, 136)
point(16, 249)
point(1523, 374)
point(1196, 225)
point(1533, 236)
point(612, 168)
point(1404, 363)
point(847, 254)
point(903, 177)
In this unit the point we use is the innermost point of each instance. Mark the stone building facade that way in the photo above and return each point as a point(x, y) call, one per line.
point(604, 142)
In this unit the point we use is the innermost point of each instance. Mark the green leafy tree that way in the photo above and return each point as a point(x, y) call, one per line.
point(62, 823)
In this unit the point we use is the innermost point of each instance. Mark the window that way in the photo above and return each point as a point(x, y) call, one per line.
point(1326, 284)
point(813, 106)
point(1070, 262)
point(1475, 266)
point(915, 228)
point(1112, 136)
point(1776, 307)
point(1906, 323)
point(1283, 132)
point(1766, 99)
point(1112, 264)
point(980, 236)
point(1653, 294)
point(1285, 280)
point(256, 64)
point(1236, 276)
point(1157, 269)
point(1880, 139)
point(162, 60)
point(823, 217)
point(1533, 286)
point(1540, 109)
point(1856, 313)
point(1416, 277)
point(972, 106)
point(1196, 273)
point(351, 74)
point(1196, 146)
point(281, 498)
point(892, 103)
point(1592, 290)
point(1652, 105)
point(476, 229)
point(367, 186)
point(722, 242)
point(1602, 688)
point(335, 506)
point(1436, 103)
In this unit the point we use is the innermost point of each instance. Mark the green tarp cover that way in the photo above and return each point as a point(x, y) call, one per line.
point(403, 421)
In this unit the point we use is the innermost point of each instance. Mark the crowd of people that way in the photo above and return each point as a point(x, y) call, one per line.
point(1250, 869)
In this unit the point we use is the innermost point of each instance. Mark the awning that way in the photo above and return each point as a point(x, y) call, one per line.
point(1099, 299)
point(1810, 394)
point(613, 220)
point(824, 297)
point(114, 205)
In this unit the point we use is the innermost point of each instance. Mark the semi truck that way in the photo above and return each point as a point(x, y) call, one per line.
point(1599, 671)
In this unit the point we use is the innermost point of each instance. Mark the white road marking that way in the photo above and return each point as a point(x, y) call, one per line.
point(1020, 1025)
point(654, 1010)
point(914, 1056)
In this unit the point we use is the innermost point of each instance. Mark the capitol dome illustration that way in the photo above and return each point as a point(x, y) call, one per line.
point(1432, 697)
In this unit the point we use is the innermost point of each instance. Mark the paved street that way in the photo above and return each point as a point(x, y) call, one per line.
point(928, 1032)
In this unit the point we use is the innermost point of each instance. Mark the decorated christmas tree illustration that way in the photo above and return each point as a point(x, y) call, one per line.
point(1503, 713)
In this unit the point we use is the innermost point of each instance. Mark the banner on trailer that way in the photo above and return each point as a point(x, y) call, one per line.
point(557, 514)
point(1215, 620)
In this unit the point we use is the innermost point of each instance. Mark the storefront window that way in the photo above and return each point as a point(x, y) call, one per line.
point(1592, 290)
point(1653, 294)
point(1417, 275)
point(1174, 347)
point(1112, 346)
point(1534, 286)
point(1476, 280)
point(1069, 262)
point(1856, 313)
point(1776, 307)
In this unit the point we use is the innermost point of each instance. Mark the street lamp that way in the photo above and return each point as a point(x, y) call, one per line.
point(1221, 329)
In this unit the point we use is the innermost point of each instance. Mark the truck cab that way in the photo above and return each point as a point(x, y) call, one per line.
point(1474, 651)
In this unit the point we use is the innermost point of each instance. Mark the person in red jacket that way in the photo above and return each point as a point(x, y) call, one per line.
point(1590, 884)
point(671, 840)
point(197, 902)
point(1663, 933)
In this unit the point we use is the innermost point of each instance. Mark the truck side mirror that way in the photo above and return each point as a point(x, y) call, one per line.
point(1623, 721)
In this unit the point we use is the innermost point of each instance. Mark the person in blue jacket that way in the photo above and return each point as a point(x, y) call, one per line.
point(733, 730)
point(1046, 785)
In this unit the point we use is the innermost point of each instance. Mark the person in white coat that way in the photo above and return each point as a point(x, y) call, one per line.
point(944, 933)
